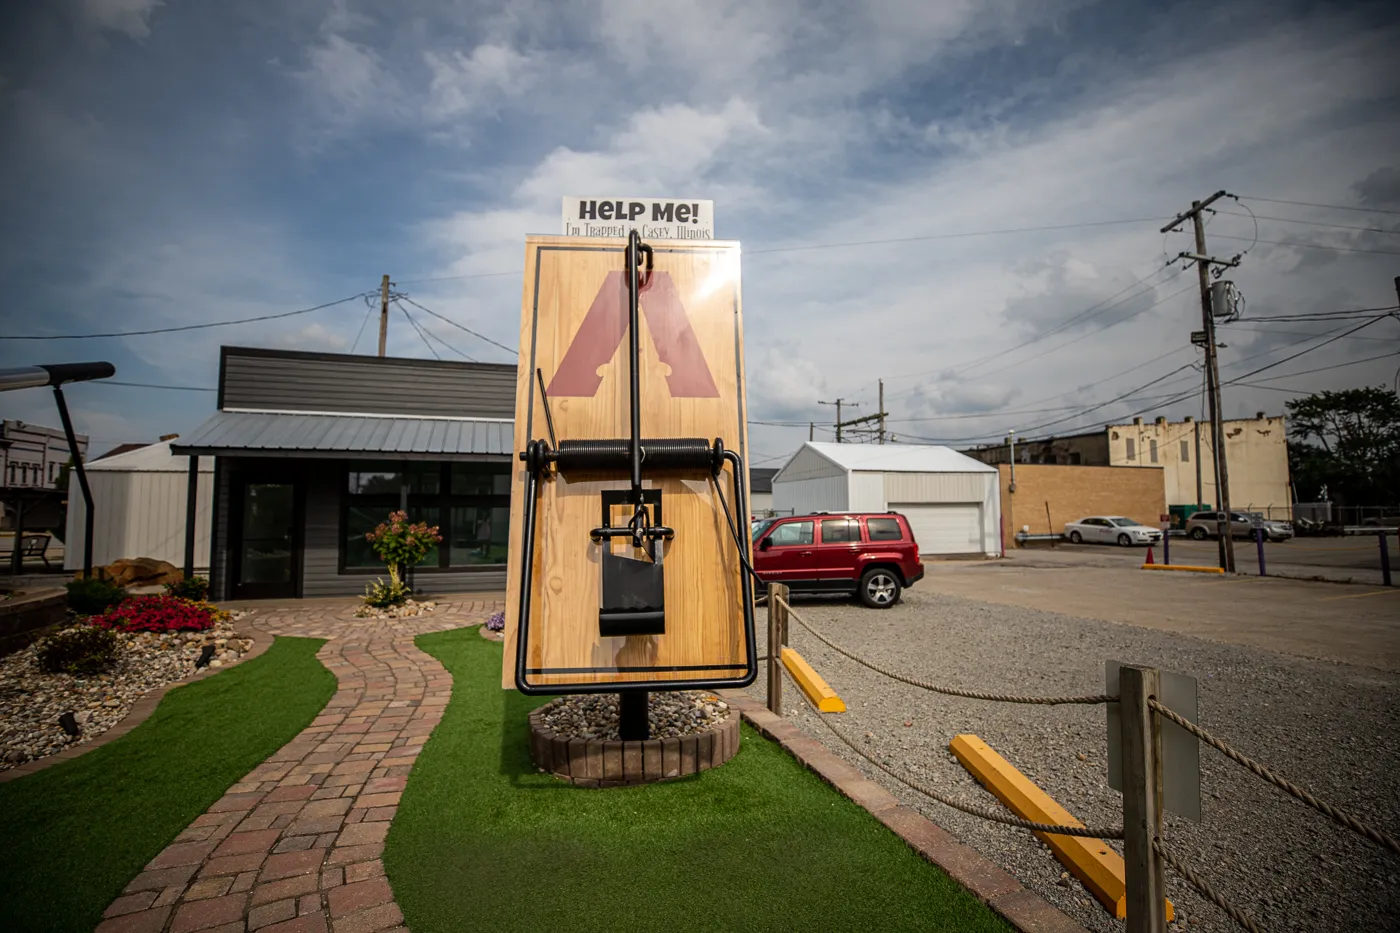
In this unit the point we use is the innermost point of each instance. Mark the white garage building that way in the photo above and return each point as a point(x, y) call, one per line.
point(139, 500)
point(953, 502)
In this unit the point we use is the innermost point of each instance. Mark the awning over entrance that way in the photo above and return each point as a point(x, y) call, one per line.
point(317, 434)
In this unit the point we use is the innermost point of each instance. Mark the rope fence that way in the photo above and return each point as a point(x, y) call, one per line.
point(1340, 816)
point(966, 806)
point(1206, 891)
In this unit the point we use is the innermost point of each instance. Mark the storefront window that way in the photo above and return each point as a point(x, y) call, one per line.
point(479, 535)
point(469, 502)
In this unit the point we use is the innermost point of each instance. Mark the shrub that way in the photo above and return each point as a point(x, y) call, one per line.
point(381, 595)
point(497, 622)
point(158, 614)
point(195, 589)
point(93, 596)
point(84, 650)
point(402, 544)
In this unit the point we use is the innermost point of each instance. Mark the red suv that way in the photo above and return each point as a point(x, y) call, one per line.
point(873, 555)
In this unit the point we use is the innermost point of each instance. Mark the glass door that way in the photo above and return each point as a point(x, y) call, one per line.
point(266, 550)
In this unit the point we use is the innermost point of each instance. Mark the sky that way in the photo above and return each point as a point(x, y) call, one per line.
point(960, 198)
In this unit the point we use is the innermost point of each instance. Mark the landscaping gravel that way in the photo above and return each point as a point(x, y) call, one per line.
point(31, 701)
point(405, 610)
point(1328, 727)
point(671, 715)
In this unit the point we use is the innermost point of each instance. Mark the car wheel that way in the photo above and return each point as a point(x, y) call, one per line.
point(1198, 533)
point(1076, 537)
point(879, 588)
point(1125, 541)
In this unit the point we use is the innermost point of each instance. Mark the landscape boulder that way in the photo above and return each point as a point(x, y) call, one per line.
point(139, 571)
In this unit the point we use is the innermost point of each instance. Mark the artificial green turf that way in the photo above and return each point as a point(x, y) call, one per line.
point(72, 836)
point(483, 841)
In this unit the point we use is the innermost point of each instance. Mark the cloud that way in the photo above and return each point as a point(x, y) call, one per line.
point(311, 337)
point(347, 82)
point(1381, 188)
point(129, 17)
point(470, 84)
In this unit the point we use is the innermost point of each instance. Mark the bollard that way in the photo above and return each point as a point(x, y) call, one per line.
point(1143, 875)
point(1385, 559)
point(1167, 546)
point(777, 635)
point(1259, 543)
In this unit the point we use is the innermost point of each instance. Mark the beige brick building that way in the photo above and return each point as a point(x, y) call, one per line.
point(1049, 496)
point(1256, 450)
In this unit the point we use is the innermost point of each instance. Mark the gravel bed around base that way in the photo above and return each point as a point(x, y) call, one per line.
point(406, 610)
point(594, 715)
point(1329, 727)
point(31, 701)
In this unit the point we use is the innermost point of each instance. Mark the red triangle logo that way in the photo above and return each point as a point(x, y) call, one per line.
point(605, 325)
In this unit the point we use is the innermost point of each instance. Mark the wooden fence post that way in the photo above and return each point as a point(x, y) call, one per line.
point(777, 636)
point(1142, 800)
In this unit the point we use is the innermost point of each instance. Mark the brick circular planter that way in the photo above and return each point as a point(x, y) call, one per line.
point(614, 763)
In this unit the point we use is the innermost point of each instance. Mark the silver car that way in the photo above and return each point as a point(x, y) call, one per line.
point(1112, 529)
point(1202, 525)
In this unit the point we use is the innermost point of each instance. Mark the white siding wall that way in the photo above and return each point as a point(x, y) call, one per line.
point(867, 492)
point(137, 514)
point(964, 488)
point(760, 503)
point(807, 464)
point(801, 496)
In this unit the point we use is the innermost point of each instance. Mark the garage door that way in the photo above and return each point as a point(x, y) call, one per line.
point(945, 528)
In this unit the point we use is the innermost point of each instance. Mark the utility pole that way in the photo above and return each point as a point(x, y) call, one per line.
point(837, 403)
point(383, 313)
point(811, 430)
point(882, 406)
point(1199, 492)
point(1217, 430)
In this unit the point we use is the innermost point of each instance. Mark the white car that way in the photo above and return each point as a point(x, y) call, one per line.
point(1112, 529)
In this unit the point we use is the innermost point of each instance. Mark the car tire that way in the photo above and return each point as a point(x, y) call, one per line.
point(879, 588)
point(1076, 538)
point(1198, 533)
point(1125, 541)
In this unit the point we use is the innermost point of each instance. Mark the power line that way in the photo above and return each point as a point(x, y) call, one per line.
point(1313, 223)
point(424, 331)
point(950, 236)
point(421, 336)
point(458, 326)
point(1093, 310)
point(184, 327)
point(1086, 336)
point(1329, 207)
point(1339, 249)
point(1323, 315)
point(369, 309)
point(1299, 333)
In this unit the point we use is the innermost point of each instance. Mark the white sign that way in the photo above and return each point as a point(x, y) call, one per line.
point(652, 218)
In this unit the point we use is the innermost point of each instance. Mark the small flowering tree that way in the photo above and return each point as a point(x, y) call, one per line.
point(402, 544)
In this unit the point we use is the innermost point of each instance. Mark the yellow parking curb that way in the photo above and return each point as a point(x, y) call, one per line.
point(811, 683)
point(1092, 861)
point(1186, 567)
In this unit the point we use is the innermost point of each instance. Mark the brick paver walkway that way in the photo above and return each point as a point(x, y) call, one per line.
point(295, 846)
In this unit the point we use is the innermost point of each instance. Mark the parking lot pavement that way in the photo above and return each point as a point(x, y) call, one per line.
point(1353, 624)
point(1352, 559)
point(1328, 726)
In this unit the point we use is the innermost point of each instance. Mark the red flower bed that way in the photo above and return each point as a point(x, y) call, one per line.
point(156, 614)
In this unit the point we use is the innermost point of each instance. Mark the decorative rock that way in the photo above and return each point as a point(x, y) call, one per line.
point(671, 715)
point(405, 610)
point(31, 701)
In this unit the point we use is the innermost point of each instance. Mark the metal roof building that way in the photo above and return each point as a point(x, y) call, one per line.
point(313, 450)
point(952, 501)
